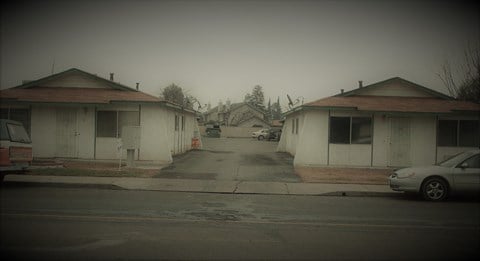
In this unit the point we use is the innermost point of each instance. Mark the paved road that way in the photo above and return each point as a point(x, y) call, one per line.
point(61, 223)
point(233, 159)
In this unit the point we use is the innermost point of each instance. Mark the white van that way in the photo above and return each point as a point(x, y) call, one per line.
point(15, 146)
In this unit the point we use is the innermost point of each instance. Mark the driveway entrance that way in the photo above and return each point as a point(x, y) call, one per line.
point(236, 159)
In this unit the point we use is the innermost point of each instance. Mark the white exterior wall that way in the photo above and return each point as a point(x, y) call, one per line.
point(311, 146)
point(86, 129)
point(312, 143)
point(44, 136)
point(423, 140)
point(43, 132)
point(381, 140)
point(159, 140)
point(350, 154)
point(179, 141)
point(154, 143)
point(288, 140)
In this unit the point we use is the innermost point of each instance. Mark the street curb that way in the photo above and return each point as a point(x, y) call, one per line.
point(364, 194)
point(60, 184)
point(13, 183)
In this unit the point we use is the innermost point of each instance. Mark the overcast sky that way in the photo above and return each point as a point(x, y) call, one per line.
point(221, 49)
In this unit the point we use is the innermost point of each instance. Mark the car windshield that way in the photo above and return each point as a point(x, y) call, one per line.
point(17, 133)
point(456, 159)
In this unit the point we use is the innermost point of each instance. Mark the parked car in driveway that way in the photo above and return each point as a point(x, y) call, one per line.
point(274, 134)
point(15, 146)
point(458, 174)
point(260, 134)
point(213, 131)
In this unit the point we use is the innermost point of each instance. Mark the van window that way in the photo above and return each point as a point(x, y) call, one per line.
point(17, 133)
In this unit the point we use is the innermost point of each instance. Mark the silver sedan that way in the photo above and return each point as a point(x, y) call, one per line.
point(459, 174)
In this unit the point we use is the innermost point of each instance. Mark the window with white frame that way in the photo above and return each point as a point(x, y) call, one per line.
point(458, 133)
point(350, 130)
point(110, 123)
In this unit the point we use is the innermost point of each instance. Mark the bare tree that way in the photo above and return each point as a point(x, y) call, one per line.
point(468, 86)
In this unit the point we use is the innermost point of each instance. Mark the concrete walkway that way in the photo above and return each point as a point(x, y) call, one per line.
point(210, 186)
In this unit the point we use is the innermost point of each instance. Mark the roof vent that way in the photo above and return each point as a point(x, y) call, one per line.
point(111, 77)
point(341, 90)
point(360, 84)
point(137, 85)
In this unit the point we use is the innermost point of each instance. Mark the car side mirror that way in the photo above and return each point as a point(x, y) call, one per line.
point(464, 165)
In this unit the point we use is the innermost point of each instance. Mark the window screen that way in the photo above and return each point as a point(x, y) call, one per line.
point(361, 130)
point(107, 124)
point(468, 134)
point(340, 130)
point(447, 132)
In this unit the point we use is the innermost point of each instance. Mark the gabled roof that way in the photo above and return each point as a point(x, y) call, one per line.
point(74, 95)
point(253, 117)
point(37, 92)
point(41, 81)
point(394, 104)
point(435, 102)
point(400, 80)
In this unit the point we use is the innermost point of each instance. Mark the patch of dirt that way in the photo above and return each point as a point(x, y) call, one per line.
point(343, 175)
point(92, 168)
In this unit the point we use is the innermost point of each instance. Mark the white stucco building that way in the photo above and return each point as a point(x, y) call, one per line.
point(391, 123)
point(75, 114)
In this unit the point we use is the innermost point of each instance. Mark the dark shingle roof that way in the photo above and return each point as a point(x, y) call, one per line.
point(395, 104)
point(75, 95)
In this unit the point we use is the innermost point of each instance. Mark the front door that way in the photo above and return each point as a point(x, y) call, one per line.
point(399, 152)
point(66, 133)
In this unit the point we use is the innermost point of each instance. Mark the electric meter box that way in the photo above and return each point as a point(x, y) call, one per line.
point(131, 137)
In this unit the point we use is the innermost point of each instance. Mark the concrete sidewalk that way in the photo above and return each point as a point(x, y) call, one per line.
point(210, 186)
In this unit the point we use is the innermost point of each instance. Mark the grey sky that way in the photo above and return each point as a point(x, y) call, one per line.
point(221, 49)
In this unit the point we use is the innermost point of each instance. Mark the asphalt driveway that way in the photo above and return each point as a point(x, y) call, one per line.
point(238, 159)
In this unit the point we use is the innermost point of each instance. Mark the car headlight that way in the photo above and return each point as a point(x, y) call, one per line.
point(406, 175)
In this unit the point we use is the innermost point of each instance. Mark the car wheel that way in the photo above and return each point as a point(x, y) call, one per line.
point(261, 137)
point(435, 189)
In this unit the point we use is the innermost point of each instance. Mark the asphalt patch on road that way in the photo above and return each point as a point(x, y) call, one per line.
point(219, 151)
point(259, 159)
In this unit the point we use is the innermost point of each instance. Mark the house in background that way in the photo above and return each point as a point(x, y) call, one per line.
point(75, 114)
point(391, 123)
point(236, 115)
